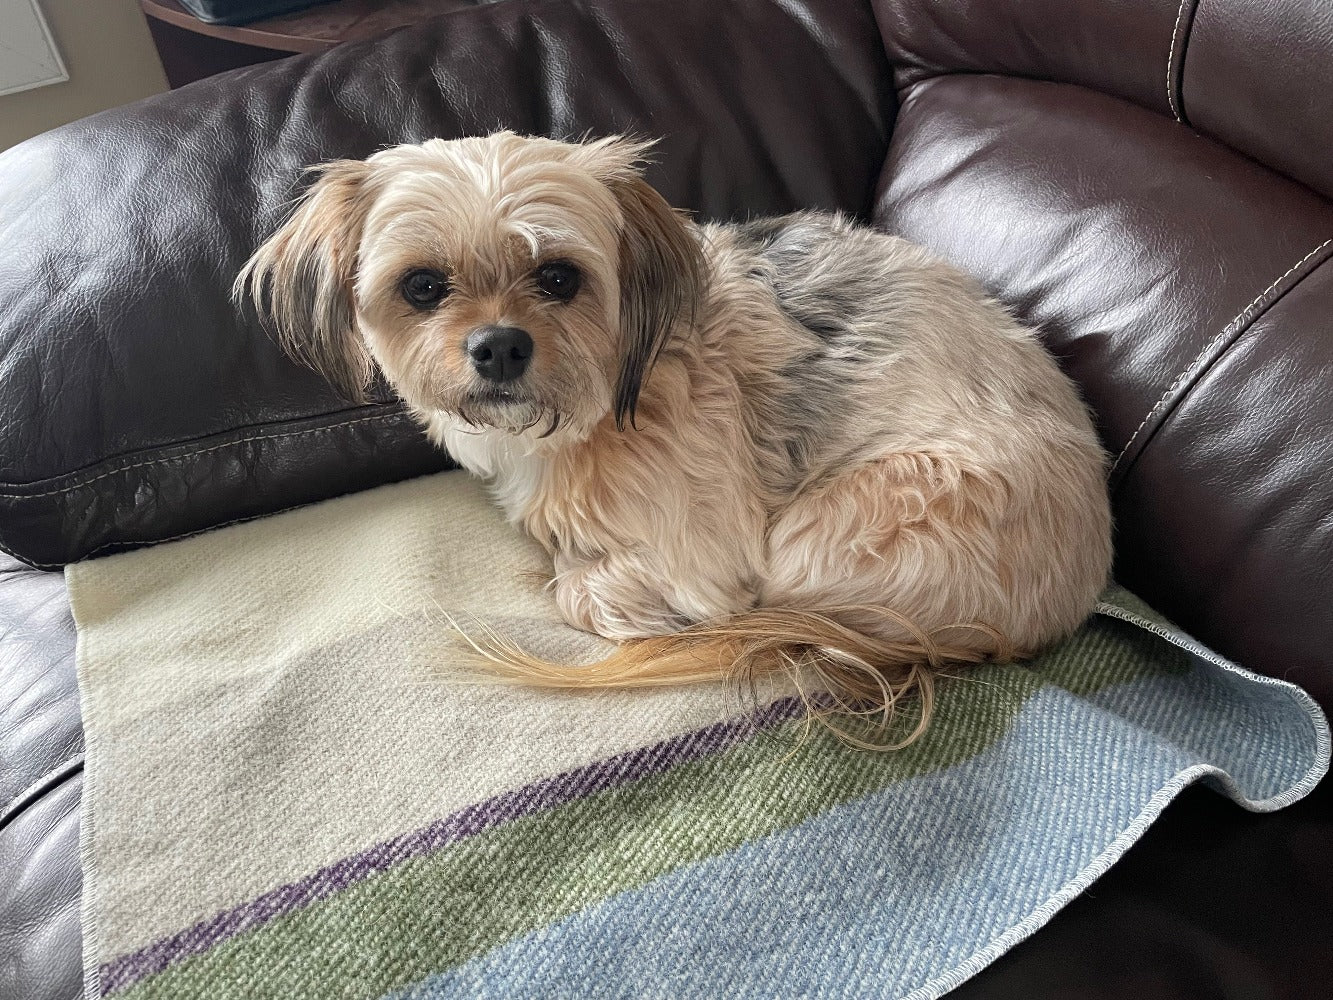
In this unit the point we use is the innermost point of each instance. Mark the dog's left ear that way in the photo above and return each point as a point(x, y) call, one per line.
point(661, 274)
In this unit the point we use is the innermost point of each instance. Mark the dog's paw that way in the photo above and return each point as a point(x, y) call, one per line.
point(597, 597)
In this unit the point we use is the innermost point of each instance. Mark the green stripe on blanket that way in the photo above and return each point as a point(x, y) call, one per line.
point(448, 822)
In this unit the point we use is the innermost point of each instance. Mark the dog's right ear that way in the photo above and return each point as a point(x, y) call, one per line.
point(300, 281)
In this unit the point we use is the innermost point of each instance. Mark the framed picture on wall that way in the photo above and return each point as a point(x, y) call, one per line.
point(28, 54)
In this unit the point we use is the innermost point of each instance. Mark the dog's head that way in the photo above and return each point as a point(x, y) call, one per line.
point(519, 283)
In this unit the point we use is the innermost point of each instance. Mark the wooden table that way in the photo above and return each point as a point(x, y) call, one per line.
point(191, 49)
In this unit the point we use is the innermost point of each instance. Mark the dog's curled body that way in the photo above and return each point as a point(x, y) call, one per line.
point(844, 455)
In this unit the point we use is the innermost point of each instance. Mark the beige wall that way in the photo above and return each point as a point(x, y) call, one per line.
point(110, 58)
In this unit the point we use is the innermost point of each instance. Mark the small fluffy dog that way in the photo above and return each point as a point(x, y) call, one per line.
point(794, 445)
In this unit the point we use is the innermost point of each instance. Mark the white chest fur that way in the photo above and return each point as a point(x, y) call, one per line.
point(505, 460)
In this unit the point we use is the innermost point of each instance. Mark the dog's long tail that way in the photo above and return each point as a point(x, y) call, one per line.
point(852, 680)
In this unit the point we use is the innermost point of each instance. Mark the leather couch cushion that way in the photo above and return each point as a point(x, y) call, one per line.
point(1181, 285)
point(1116, 46)
point(41, 762)
point(1243, 471)
point(41, 737)
point(1255, 75)
point(1259, 77)
point(137, 405)
point(40, 888)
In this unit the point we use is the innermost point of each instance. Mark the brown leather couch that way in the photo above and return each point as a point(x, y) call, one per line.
point(1149, 180)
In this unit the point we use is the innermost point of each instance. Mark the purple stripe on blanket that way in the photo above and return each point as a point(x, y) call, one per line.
point(548, 793)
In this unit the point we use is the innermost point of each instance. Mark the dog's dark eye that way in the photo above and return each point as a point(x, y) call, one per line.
point(559, 279)
point(424, 288)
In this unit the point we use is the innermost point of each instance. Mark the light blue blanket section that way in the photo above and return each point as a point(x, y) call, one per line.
point(911, 890)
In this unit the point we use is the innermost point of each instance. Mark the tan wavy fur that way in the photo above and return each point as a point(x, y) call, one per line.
point(792, 446)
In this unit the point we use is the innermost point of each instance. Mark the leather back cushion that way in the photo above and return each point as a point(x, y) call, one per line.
point(1259, 76)
point(1184, 285)
point(1115, 46)
point(1256, 75)
point(137, 405)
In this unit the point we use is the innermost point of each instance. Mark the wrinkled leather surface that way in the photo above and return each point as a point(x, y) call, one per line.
point(1146, 253)
point(40, 732)
point(41, 755)
point(1114, 46)
point(137, 405)
point(41, 954)
point(1258, 76)
point(1250, 448)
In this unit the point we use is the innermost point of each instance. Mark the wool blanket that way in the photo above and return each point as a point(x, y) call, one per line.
point(294, 791)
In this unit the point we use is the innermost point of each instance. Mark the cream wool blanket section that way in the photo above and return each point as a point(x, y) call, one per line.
point(264, 701)
point(293, 791)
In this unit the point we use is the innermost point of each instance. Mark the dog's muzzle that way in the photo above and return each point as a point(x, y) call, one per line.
point(499, 353)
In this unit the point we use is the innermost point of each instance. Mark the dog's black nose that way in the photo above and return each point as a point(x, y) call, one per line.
point(499, 353)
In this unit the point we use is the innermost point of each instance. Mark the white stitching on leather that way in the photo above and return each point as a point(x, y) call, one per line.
point(1208, 349)
point(26, 561)
point(196, 531)
point(1170, 63)
point(144, 543)
point(204, 451)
